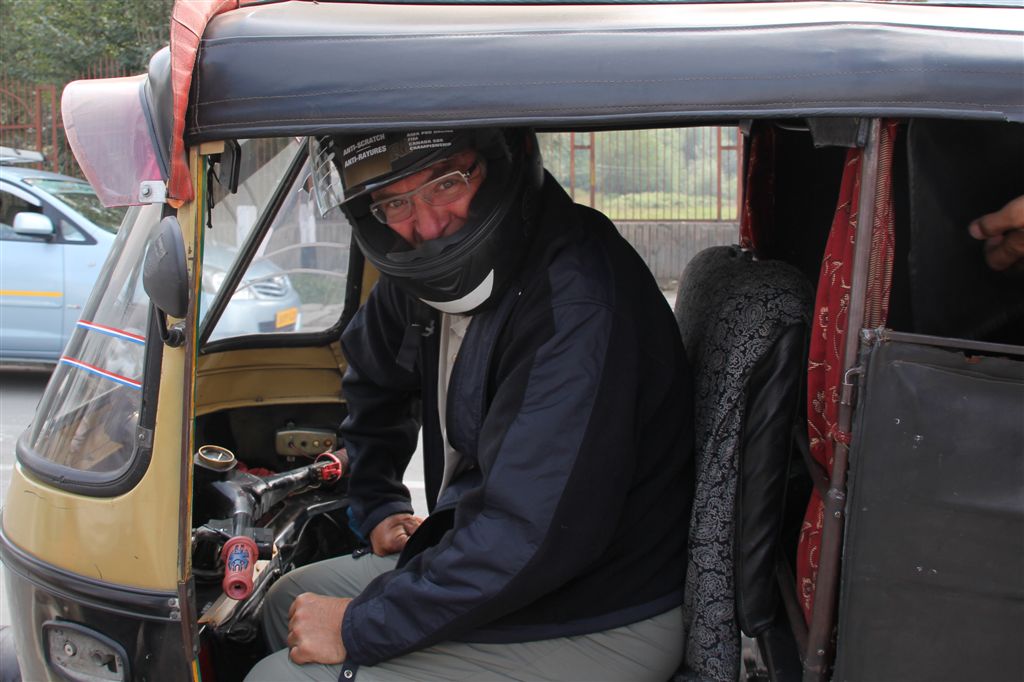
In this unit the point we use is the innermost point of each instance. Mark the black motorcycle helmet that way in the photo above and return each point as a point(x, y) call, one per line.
point(464, 272)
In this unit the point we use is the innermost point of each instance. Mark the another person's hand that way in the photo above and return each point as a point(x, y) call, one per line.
point(314, 629)
point(391, 534)
point(1003, 232)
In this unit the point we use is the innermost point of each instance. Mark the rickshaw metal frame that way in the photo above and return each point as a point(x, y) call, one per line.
point(818, 648)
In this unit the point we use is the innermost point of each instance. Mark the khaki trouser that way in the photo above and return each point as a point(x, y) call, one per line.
point(647, 650)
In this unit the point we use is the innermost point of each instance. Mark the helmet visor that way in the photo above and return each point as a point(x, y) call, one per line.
point(439, 191)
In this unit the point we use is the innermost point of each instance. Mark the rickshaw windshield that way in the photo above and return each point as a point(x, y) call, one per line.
point(87, 418)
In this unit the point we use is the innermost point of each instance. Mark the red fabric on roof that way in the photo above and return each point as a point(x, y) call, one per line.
point(188, 20)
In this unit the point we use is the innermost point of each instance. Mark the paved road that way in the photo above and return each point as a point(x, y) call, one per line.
point(19, 394)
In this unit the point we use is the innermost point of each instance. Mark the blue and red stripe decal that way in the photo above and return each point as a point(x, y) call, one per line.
point(92, 369)
point(111, 331)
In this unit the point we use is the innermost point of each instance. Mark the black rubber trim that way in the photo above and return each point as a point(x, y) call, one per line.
point(122, 600)
point(147, 96)
point(888, 335)
point(353, 286)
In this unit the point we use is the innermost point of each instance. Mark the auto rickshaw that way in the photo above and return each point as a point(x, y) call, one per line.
point(861, 447)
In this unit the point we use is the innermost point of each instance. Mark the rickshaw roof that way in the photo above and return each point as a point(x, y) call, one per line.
point(304, 68)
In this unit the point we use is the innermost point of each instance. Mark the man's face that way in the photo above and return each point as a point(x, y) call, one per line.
point(428, 221)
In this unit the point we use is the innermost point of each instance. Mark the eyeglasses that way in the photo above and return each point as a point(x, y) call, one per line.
point(446, 189)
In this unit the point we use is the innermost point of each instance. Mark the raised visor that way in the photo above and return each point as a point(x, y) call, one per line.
point(294, 68)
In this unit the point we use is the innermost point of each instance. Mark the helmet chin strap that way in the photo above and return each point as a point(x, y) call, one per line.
point(468, 302)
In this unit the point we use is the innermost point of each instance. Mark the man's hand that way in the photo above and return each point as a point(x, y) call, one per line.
point(390, 535)
point(1003, 232)
point(314, 629)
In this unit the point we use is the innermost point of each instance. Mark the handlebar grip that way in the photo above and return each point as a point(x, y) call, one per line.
point(239, 554)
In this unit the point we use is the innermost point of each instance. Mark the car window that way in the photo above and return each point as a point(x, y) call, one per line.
point(81, 197)
point(87, 418)
point(296, 280)
point(10, 206)
point(71, 234)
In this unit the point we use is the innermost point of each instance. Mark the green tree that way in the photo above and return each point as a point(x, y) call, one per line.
point(55, 41)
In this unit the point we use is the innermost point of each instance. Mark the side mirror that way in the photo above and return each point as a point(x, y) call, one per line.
point(165, 276)
point(32, 224)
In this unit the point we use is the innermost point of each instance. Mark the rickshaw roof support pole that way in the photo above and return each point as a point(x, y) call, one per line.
point(190, 218)
point(819, 638)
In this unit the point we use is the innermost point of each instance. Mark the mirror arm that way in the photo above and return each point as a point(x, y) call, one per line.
point(172, 337)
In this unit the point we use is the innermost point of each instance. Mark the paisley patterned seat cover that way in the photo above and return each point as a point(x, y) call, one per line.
point(732, 312)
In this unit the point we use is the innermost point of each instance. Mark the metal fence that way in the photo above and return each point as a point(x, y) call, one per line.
point(671, 192)
point(30, 117)
point(656, 175)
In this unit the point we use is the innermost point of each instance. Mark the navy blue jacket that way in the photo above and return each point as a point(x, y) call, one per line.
point(571, 401)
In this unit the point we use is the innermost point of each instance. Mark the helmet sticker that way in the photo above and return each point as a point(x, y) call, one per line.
point(374, 157)
point(429, 139)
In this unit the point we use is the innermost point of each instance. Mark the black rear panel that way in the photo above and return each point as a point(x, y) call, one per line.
point(933, 571)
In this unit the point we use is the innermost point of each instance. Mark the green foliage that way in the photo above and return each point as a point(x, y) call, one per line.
point(55, 41)
point(655, 206)
point(323, 289)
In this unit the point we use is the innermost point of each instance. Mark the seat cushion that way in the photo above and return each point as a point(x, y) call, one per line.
point(732, 313)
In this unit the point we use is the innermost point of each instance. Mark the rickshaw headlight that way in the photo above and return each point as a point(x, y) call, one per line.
point(213, 280)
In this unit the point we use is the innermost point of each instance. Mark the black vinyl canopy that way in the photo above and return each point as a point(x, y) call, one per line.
point(305, 68)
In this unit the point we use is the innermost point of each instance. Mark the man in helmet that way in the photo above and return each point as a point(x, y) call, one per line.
point(535, 349)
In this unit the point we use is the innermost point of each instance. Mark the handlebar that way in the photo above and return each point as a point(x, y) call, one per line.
point(239, 555)
point(250, 497)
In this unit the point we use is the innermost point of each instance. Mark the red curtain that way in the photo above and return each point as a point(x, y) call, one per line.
point(757, 213)
point(828, 332)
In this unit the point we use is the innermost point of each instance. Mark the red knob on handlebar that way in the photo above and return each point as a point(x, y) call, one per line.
point(334, 465)
point(239, 555)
